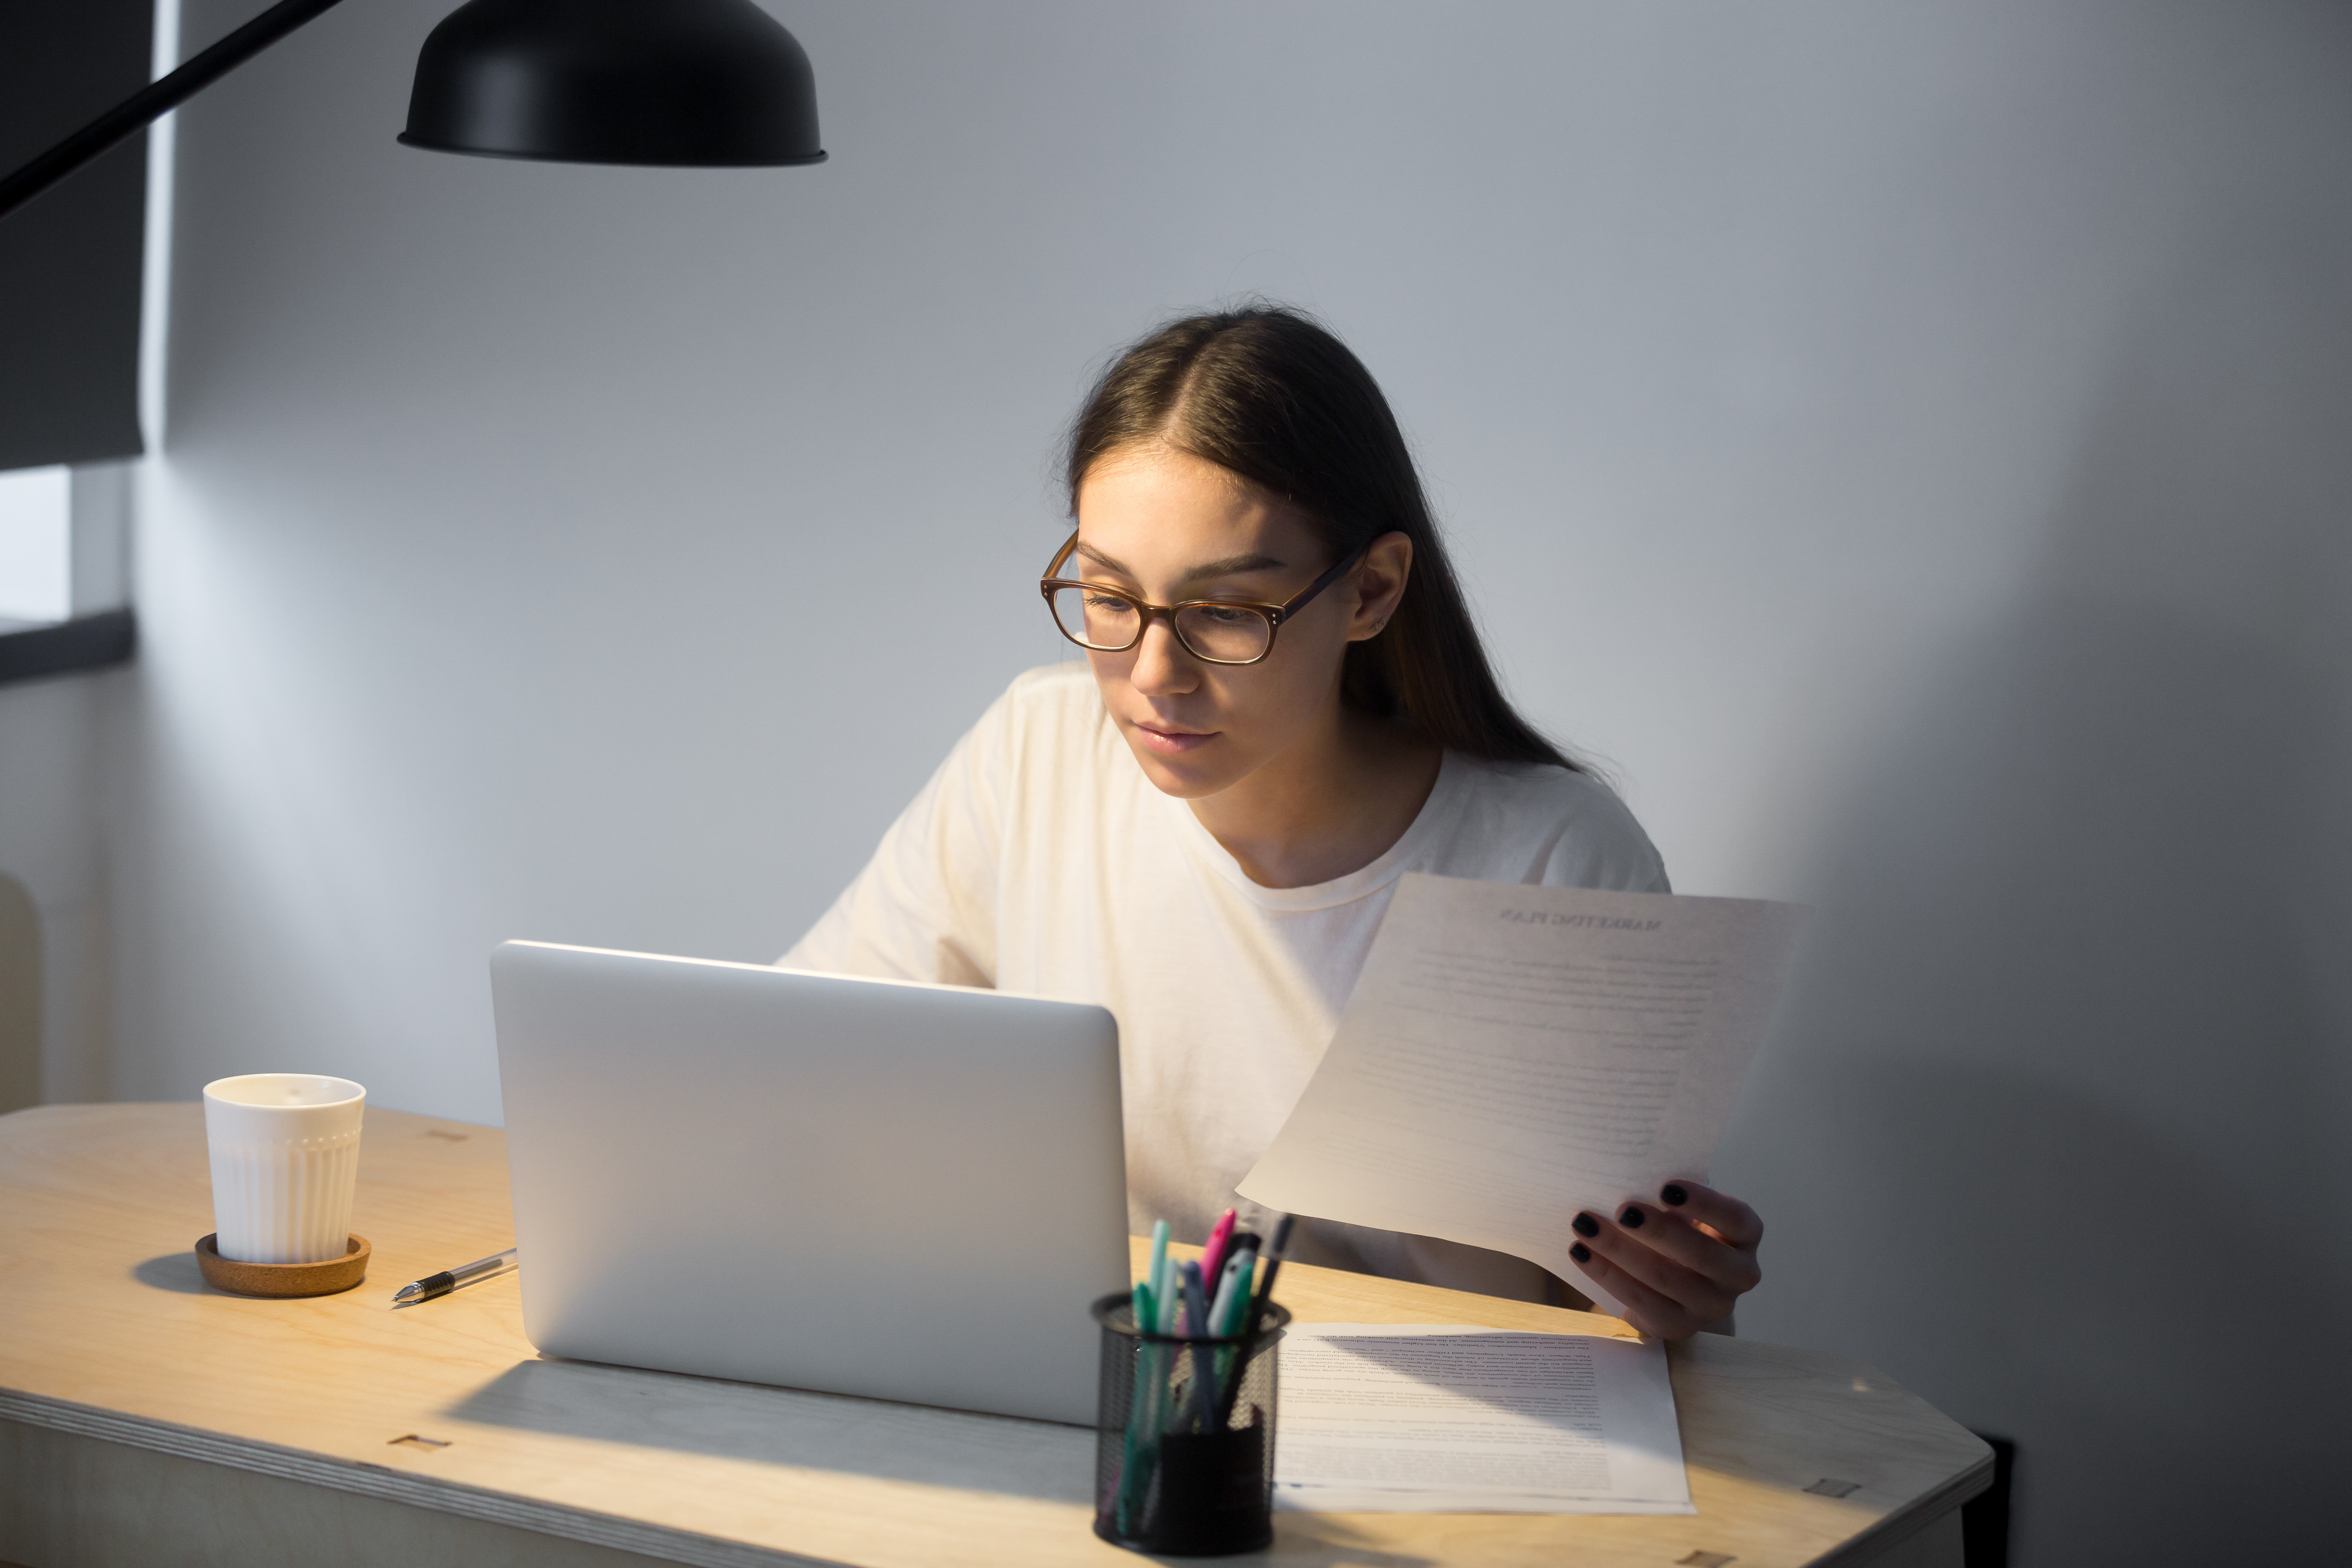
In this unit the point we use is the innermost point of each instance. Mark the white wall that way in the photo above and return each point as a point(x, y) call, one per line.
point(1901, 438)
point(53, 842)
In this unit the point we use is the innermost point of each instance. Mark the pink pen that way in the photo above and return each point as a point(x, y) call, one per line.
point(1214, 1254)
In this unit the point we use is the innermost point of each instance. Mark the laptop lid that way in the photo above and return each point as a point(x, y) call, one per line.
point(872, 1187)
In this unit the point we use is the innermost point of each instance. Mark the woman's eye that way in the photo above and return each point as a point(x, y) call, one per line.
point(1105, 602)
point(1218, 615)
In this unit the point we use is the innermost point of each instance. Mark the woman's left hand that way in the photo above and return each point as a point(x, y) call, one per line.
point(1678, 1265)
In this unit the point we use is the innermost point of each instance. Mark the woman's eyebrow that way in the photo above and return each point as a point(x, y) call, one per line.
point(1229, 567)
point(1232, 565)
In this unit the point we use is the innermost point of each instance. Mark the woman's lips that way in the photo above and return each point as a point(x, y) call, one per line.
point(1173, 742)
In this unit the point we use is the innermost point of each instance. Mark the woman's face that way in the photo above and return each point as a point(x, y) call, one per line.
point(1168, 526)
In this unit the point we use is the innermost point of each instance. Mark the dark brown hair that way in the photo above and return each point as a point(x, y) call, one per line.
point(1267, 393)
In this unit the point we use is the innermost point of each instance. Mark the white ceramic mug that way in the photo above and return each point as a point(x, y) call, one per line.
point(286, 1157)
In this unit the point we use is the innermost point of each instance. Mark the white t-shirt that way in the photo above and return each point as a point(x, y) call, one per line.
point(1040, 859)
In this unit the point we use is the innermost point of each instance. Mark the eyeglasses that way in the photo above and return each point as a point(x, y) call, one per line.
point(1215, 631)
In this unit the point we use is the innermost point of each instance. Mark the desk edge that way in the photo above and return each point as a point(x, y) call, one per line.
point(391, 1485)
point(1905, 1522)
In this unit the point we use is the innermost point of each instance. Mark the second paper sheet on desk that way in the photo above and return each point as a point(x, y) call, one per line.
point(1512, 1055)
point(1402, 1418)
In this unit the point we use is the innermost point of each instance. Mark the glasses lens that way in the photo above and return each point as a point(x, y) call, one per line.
point(1229, 634)
point(1095, 619)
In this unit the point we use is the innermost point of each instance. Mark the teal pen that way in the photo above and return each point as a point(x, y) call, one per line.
point(1165, 1303)
point(1154, 1315)
point(1157, 1275)
point(1154, 1307)
point(1146, 1313)
point(1142, 1415)
point(1221, 1308)
point(1228, 1317)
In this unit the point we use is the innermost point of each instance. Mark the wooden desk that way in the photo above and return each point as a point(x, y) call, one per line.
point(146, 1419)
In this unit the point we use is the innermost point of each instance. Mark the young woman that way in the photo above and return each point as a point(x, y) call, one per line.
point(1283, 707)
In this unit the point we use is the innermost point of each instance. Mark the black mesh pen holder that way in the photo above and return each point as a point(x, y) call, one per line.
point(1184, 1436)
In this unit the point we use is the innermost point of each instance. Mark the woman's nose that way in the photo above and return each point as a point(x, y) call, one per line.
point(1163, 668)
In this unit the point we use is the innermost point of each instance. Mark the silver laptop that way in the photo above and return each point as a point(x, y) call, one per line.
point(872, 1187)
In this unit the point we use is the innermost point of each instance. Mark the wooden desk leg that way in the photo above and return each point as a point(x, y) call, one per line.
point(1937, 1546)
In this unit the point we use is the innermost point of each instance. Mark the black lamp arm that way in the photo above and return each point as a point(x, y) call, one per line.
point(154, 100)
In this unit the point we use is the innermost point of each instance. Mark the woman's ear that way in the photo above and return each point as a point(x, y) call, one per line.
point(1379, 584)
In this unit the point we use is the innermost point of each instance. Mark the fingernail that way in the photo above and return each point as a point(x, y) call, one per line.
point(1585, 1225)
point(1581, 1252)
point(1674, 1193)
point(1631, 1219)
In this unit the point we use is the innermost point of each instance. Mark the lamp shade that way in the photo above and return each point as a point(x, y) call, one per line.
point(715, 83)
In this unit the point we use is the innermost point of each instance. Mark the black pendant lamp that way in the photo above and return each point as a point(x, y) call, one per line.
point(707, 83)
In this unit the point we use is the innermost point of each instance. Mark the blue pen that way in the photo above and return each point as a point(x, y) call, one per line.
point(1204, 1362)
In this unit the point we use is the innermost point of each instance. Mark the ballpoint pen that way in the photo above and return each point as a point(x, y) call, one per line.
point(1230, 1395)
point(434, 1285)
point(1273, 1266)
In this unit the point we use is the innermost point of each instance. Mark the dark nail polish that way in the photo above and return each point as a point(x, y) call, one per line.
point(1674, 1193)
point(1585, 1225)
point(1631, 1219)
point(1581, 1252)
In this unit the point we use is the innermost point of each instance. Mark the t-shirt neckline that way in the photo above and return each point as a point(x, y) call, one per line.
point(1385, 869)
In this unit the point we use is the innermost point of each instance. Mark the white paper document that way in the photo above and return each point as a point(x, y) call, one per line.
point(1514, 1054)
point(1407, 1418)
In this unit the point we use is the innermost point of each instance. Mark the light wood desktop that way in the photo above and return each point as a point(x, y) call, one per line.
point(146, 1419)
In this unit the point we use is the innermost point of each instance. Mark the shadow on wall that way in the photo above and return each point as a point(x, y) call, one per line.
point(2054, 1128)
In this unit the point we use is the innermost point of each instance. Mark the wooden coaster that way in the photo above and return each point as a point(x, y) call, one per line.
point(283, 1279)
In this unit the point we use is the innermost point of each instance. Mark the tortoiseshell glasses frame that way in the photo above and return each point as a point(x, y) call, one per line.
point(1231, 624)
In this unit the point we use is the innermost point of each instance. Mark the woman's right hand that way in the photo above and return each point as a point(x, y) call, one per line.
point(1679, 1265)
